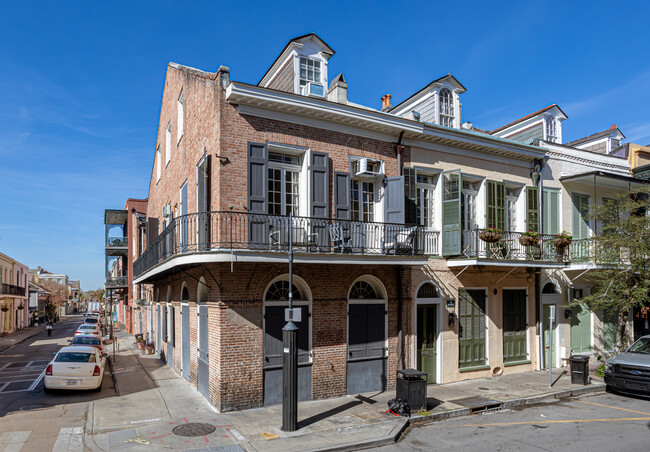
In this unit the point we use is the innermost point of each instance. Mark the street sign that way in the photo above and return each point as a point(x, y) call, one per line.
point(294, 314)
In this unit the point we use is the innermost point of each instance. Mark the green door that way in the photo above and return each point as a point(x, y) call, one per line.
point(427, 335)
point(546, 312)
point(610, 326)
point(471, 328)
point(514, 326)
point(580, 329)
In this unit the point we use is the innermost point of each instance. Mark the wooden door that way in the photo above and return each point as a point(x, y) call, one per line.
point(427, 336)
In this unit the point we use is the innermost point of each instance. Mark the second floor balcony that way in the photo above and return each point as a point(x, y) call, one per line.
point(330, 240)
point(11, 290)
point(116, 282)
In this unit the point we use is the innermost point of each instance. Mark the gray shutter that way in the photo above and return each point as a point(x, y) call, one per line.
point(319, 181)
point(172, 333)
point(551, 207)
point(580, 211)
point(451, 218)
point(257, 194)
point(395, 200)
point(152, 230)
point(341, 196)
point(410, 195)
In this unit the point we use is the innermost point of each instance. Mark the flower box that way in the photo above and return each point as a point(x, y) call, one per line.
point(490, 236)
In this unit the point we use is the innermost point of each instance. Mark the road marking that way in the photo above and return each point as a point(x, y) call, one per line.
point(13, 441)
point(70, 439)
point(562, 421)
point(37, 381)
point(613, 407)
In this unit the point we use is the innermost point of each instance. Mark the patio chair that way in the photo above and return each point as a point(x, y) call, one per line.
point(400, 242)
point(340, 243)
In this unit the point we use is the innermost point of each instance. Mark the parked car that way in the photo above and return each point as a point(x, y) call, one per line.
point(87, 341)
point(88, 329)
point(75, 368)
point(630, 370)
point(91, 320)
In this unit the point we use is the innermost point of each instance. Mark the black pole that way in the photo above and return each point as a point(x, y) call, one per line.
point(290, 355)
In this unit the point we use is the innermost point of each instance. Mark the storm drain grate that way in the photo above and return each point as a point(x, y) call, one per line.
point(478, 404)
point(16, 386)
point(194, 429)
point(116, 439)
point(230, 448)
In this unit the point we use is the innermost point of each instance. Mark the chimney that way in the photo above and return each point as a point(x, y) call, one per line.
point(385, 102)
point(338, 90)
point(613, 127)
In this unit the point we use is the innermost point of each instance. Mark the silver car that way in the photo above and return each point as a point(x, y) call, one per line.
point(630, 371)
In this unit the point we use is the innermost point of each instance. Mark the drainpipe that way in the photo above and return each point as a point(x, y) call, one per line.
point(400, 299)
point(399, 148)
point(538, 270)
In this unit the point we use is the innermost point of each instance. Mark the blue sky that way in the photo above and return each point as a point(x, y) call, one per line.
point(82, 82)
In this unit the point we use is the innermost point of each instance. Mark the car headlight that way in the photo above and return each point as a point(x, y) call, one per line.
point(609, 367)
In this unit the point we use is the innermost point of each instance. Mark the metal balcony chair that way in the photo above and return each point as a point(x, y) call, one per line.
point(400, 242)
point(340, 243)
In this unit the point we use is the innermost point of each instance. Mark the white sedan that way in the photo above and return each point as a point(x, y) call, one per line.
point(75, 368)
point(88, 329)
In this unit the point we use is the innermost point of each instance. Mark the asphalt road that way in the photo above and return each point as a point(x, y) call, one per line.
point(28, 416)
point(600, 422)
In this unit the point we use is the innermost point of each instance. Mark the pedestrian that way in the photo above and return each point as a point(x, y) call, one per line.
point(49, 327)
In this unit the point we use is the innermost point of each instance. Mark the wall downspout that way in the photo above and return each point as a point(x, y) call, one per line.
point(538, 270)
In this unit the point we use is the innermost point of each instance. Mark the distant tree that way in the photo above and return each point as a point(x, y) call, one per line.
point(58, 294)
point(621, 249)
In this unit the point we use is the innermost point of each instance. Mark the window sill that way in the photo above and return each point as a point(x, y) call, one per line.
point(516, 363)
point(471, 369)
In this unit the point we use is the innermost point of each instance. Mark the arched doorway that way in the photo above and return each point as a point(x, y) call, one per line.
point(428, 328)
point(551, 296)
point(276, 300)
point(185, 332)
point(367, 341)
point(203, 374)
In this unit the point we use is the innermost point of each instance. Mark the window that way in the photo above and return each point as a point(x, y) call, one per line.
point(361, 290)
point(511, 209)
point(279, 291)
point(180, 117)
point(158, 164)
point(446, 108)
point(362, 200)
point(309, 71)
point(428, 290)
point(551, 130)
point(283, 184)
point(424, 194)
point(470, 191)
point(168, 143)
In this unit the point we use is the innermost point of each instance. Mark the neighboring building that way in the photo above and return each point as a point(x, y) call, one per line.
point(605, 142)
point(14, 311)
point(116, 261)
point(138, 297)
point(544, 124)
point(37, 299)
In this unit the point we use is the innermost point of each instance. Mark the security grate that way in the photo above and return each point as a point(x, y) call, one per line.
point(16, 386)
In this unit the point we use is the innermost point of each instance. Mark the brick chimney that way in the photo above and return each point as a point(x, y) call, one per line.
point(385, 102)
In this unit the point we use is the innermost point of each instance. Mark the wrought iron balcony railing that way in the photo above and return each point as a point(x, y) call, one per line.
point(10, 289)
point(242, 231)
point(588, 251)
point(112, 242)
point(509, 247)
point(116, 281)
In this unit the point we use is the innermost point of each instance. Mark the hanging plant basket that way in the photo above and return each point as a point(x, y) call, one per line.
point(561, 242)
point(528, 240)
point(490, 236)
point(4, 309)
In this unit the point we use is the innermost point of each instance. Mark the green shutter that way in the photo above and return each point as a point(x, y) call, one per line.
point(410, 195)
point(532, 209)
point(496, 204)
point(471, 318)
point(551, 217)
point(580, 211)
point(451, 218)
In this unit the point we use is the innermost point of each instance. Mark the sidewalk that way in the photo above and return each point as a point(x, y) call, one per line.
point(17, 337)
point(154, 400)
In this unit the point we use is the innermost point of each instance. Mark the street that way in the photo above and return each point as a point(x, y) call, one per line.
point(30, 418)
point(603, 422)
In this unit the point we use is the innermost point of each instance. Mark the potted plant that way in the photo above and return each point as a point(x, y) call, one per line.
point(529, 238)
point(20, 306)
point(561, 241)
point(149, 349)
point(490, 234)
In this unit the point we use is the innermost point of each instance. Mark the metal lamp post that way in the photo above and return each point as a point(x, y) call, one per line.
point(290, 355)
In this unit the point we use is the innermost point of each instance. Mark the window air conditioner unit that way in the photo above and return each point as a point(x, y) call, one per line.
point(367, 167)
point(167, 210)
point(313, 89)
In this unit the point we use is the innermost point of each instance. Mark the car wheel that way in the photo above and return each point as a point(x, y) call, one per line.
point(609, 389)
point(46, 390)
point(98, 388)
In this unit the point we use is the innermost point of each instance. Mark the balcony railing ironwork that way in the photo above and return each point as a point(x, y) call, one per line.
point(117, 241)
point(509, 247)
point(588, 251)
point(116, 281)
point(10, 289)
point(228, 231)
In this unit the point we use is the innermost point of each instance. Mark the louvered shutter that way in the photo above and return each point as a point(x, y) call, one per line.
point(496, 204)
point(551, 216)
point(395, 200)
point(319, 181)
point(152, 230)
point(341, 196)
point(410, 195)
point(257, 195)
point(580, 211)
point(532, 209)
point(451, 218)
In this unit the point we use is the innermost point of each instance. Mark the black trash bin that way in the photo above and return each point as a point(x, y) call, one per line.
point(411, 387)
point(579, 369)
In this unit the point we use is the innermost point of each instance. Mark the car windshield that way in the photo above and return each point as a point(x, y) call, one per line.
point(83, 340)
point(91, 320)
point(87, 327)
point(75, 358)
point(641, 346)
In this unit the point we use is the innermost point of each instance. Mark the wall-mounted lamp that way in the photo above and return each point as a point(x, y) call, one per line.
point(534, 175)
point(452, 319)
point(567, 313)
point(223, 160)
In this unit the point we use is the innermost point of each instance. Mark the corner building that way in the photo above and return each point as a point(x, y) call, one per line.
point(384, 210)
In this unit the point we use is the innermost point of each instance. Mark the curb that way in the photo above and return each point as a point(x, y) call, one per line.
point(117, 389)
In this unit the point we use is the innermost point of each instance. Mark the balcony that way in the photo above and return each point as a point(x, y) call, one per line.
point(116, 282)
point(508, 251)
point(10, 289)
point(117, 242)
point(244, 235)
point(587, 253)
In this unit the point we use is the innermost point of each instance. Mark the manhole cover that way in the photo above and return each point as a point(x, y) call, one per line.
point(35, 406)
point(194, 429)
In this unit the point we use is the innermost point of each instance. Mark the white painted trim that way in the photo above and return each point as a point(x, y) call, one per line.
point(498, 263)
point(439, 314)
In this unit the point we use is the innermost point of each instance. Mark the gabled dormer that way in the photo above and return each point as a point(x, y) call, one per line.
point(605, 142)
point(301, 68)
point(544, 124)
point(436, 103)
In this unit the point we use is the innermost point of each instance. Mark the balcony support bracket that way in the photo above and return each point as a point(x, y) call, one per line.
point(591, 268)
point(213, 278)
point(505, 276)
point(459, 273)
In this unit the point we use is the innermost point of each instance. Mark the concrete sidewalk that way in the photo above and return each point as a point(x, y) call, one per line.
point(154, 400)
point(8, 341)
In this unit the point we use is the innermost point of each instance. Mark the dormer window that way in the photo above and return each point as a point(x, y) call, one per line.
point(551, 130)
point(446, 108)
point(309, 73)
